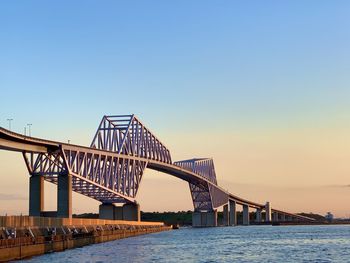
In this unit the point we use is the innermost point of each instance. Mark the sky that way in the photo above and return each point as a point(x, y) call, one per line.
point(263, 87)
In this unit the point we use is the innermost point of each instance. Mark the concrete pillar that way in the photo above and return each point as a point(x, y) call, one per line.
point(106, 211)
point(118, 213)
point(225, 215)
point(128, 212)
point(245, 215)
point(212, 218)
point(196, 219)
point(275, 217)
point(258, 216)
point(205, 219)
point(36, 195)
point(233, 213)
point(131, 212)
point(267, 212)
point(283, 217)
point(64, 196)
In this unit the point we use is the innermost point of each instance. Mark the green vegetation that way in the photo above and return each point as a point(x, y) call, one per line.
point(182, 218)
point(86, 215)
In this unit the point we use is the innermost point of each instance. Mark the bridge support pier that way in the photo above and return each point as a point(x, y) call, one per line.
point(106, 211)
point(118, 213)
point(275, 217)
point(267, 212)
point(258, 216)
point(64, 196)
point(233, 213)
point(205, 219)
point(36, 195)
point(283, 217)
point(226, 216)
point(196, 219)
point(245, 215)
point(129, 212)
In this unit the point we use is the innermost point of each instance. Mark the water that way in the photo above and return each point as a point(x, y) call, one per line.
point(221, 244)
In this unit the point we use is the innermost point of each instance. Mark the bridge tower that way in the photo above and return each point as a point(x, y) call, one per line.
point(126, 135)
point(205, 195)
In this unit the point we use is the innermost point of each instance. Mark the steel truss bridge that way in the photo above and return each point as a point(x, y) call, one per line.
point(111, 169)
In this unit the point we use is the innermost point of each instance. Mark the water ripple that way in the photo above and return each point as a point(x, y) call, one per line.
point(222, 244)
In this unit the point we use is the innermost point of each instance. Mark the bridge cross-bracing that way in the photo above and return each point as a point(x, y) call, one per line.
point(125, 134)
point(205, 196)
point(111, 169)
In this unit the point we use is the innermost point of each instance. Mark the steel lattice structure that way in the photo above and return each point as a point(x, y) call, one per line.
point(125, 134)
point(45, 164)
point(204, 195)
point(117, 176)
point(111, 169)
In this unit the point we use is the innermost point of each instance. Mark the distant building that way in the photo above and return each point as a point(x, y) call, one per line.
point(329, 217)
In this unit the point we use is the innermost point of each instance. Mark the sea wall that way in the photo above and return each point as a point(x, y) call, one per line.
point(33, 221)
point(32, 241)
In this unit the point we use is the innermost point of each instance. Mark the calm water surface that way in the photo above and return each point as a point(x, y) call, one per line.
point(221, 244)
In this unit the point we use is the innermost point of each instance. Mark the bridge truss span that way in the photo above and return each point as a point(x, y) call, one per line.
point(206, 196)
point(125, 134)
point(116, 173)
point(112, 168)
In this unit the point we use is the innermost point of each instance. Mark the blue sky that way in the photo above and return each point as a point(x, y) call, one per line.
point(245, 61)
point(186, 68)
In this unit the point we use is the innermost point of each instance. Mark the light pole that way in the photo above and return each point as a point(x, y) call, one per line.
point(29, 129)
point(9, 120)
point(25, 130)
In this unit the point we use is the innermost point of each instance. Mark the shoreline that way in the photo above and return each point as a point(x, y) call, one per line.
point(28, 242)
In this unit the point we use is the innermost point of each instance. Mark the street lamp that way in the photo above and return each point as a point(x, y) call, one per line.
point(9, 120)
point(29, 129)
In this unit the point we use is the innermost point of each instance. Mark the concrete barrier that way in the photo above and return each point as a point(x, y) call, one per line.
point(31, 221)
point(23, 247)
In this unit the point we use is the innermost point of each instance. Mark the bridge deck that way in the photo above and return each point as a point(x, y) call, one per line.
point(16, 142)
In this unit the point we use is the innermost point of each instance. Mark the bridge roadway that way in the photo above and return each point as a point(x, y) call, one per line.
point(12, 141)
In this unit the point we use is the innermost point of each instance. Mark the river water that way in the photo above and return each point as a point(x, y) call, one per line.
point(220, 244)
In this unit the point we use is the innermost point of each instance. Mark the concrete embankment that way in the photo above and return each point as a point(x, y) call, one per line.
point(18, 242)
